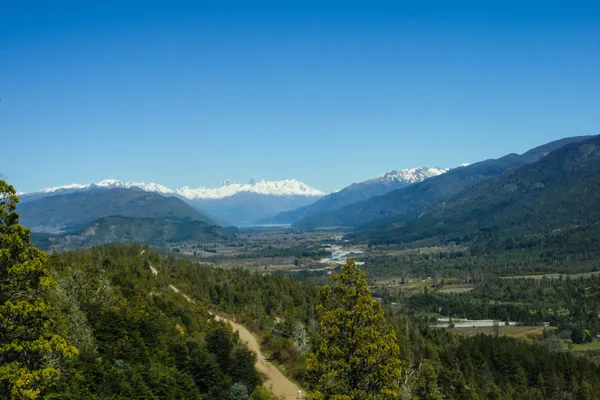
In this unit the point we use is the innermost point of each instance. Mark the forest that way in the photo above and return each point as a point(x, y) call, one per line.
point(106, 323)
point(138, 339)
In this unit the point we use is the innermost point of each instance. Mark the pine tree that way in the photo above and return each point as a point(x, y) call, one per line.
point(427, 384)
point(358, 355)
point(29, 351)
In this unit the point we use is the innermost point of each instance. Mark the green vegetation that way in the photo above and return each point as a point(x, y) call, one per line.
point(31, 349)
point(116, 229)
point(138, 338)
point(111, 326)
point(571, 304)
point(398, 206)
point(66, 211)
point(439, 365)
point(358, 354)
point(308, 252)
point(549, 205)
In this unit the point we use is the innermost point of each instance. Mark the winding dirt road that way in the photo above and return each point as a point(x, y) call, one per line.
point(278, 383)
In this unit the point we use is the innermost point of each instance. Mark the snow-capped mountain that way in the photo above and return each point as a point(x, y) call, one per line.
point(356, 192)
point(232, 203)
point(288, 187)
point(408, 176)
point(108, 184)
point(242, 204)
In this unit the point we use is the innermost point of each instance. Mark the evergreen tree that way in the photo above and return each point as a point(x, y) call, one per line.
point(358, 355)
point(427, 384)
point(29, 350)
point(238, 391)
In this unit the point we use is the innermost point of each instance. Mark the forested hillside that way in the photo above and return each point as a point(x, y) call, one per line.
point(71, 210)
point(549, 204)
point(357, 192)
point(108, 322)
point(117, 229)
point(136, 337)
point(408, 203)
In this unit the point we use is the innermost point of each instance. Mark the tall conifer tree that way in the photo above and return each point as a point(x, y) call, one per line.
point(29, 350)
point(358, 356)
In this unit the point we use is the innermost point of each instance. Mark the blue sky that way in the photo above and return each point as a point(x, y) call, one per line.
point(192, 93)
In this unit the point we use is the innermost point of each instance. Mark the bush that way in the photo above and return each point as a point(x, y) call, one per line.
point(261, 393)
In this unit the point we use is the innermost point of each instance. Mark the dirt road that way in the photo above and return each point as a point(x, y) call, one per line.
point(276, 381)
point(281, 386)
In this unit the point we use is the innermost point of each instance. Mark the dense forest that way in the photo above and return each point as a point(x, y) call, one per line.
point(548, 205)
point(570, 304)
point(106, 323)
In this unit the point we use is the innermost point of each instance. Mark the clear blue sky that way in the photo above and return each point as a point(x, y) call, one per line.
point(192, 93)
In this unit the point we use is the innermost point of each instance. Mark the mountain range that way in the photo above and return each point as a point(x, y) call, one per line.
point(411, 201)
point(68, 210)
point(419, 204)
point(356, 192)
point(550, 203)
point(231, 204)
point(101, 215)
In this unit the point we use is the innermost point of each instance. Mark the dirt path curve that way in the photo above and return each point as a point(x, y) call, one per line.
point(279, 384)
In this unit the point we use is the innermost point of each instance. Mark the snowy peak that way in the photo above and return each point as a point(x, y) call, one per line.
point(109, 184)
point(289, 187)
point(148, 187)
point(410, 175)
point(73, 186)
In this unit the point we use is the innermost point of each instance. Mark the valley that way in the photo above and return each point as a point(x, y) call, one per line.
point(497, 258)
point(211, 200)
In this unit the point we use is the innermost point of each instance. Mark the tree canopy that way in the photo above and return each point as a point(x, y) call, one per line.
point(30, 351)
point(358, 355)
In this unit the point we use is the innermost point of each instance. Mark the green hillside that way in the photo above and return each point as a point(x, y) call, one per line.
point(408, 203)
point(59, 212)
point(117, 229)
point(550, 203)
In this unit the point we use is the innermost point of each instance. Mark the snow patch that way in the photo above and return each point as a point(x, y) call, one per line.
point(109, 184)
point(289, 187)
point(410, 175)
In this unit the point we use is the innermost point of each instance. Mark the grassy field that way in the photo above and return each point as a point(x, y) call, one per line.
point(458, 288)
point(595, 345)
point(527, 333)
point(553, 276)
point(420, 250)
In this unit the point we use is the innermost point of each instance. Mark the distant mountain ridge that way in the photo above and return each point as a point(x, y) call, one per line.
point(411, 201)
point(68, 210)
point(231, 204)
point(288, 187)
point(104, 184)
point(356, 192)
point(406, 176)
point(551, 202)
point(119, 229)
